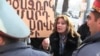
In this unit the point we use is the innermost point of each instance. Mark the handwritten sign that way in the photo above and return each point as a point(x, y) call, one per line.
point(37, 14)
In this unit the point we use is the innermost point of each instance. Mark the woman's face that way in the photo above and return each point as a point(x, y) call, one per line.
point(61, 26)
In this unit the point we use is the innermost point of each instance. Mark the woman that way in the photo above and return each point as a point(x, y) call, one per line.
point(64, 39)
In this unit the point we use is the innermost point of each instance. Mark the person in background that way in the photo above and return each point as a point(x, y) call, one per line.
point(64, 39)
point(91, 45)
point(12, 29)
point(83, 30)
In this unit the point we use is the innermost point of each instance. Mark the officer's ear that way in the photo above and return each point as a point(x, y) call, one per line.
point(99, 21)
point(0, 39)
point(2, 42)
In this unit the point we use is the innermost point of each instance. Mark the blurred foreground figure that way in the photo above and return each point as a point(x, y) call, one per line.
point(91, 45)
point(12, 29)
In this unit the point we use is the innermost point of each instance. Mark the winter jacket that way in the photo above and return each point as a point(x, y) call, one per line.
point(89, 47)
point(70, 44)
point(20, 49)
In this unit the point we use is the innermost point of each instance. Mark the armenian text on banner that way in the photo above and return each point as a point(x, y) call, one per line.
point(37, 14)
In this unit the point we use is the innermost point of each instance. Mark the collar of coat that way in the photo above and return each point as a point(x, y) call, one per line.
point(13, 46)
point(92, 38)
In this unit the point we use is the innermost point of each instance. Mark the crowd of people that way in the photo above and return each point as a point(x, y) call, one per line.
point(63, 41)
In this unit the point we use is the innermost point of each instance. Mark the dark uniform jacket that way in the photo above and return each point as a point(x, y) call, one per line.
point(20, 49)
point(89, 47)
point(70, 44)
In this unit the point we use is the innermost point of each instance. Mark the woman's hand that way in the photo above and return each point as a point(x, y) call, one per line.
point(46, 43)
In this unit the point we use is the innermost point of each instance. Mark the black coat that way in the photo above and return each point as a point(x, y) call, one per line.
point(70, 44)
point(83, 30)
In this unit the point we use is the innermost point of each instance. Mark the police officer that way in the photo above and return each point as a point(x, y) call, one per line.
point(12, 29)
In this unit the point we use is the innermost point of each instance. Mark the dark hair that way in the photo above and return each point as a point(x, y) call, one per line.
point(8, 39)
point(96, 14)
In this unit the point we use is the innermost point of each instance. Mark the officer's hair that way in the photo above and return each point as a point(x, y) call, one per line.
point(8, 39)
point(96, 14)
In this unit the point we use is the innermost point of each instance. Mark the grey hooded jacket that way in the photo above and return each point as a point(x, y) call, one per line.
point(20, 49)
point(89, 47)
